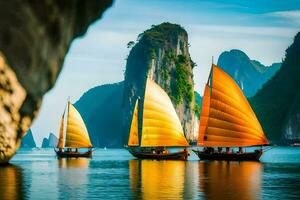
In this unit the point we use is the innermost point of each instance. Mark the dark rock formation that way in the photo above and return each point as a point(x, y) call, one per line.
point(35, 36)
point(101, 110)
point(277, 104)
point(198, 104)
point(28, 140)
point(249, 74)
point(50, 142)
point(162, 55)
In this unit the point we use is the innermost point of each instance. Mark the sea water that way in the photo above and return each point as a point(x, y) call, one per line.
point(115, 174)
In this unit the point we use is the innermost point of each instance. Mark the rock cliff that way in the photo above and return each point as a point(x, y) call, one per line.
point(28, 140)
point(161, 54)
point(50, 142)
point(277, 104)
point(101, 110)
point(34, 39)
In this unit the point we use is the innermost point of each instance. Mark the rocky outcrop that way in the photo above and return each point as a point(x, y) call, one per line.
point(50, 142)
point(28, 140)
point(277, 104)
point(249, 74)
point(161, 54)
point(34, 39)
point(101, 110)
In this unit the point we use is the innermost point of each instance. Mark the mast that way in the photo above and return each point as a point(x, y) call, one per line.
point(66, 121)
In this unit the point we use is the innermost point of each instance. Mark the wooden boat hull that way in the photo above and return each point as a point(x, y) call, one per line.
point(181, 155)
point(248, 156)
point(72, 154)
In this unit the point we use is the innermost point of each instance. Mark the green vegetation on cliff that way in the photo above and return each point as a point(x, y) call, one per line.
point(162, 35)
point(182, 88)
point(165, 36)
point(275, 103)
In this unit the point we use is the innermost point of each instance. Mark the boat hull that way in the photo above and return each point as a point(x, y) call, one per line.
point(72, 154)
point(248, 156)
point(181, 155)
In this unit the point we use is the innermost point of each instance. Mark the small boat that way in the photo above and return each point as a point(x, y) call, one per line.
point(227, 121)
point(161, 127)
point(73, 135)
point(295, 145)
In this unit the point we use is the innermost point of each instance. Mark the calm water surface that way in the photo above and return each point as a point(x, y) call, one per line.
point(115, 174)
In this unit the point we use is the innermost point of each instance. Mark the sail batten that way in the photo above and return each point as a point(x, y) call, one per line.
point(161, 125)
point(223, 124)
point(227, 118)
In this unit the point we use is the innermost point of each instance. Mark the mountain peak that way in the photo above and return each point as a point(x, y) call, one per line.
point(249, 74)
point(28, 140)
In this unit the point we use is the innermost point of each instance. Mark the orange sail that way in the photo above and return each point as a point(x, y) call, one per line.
point(226, 118)
point(133, 134)
point(204, 114)
point(161, 125)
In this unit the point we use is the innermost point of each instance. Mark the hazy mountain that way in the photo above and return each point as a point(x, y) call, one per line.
point(249, 74)
point(277, 104)
point(50, 142)
point(28, 140)
point(101, 110)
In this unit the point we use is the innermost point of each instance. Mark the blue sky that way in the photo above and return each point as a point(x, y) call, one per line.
point(261, 28)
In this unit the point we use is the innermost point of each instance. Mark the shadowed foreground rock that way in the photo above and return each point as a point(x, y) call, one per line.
point(35, 36)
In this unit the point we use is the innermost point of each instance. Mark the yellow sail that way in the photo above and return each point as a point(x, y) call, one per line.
point(76, 134)
point(161, 125)
point(60, 143)
point(230, 120)
point(134, 134)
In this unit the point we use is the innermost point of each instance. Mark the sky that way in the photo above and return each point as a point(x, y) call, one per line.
point(263, 29)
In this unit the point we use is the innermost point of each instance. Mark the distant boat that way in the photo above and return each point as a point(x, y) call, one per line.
point(295, 145)
point(227, 120)
point(161, 127)
point(73, 134)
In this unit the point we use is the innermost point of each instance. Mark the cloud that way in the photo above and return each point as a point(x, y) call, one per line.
point(292, 16)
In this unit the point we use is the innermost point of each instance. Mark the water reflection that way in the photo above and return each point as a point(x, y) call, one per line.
point(11, 183)
point(73, 163)
point(230, 180)
point(150, 179)
point(72, 178)
point(194, 180)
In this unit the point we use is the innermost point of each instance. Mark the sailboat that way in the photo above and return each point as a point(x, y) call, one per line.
point(161, 127)
point(73, 134)
point(227, 120)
